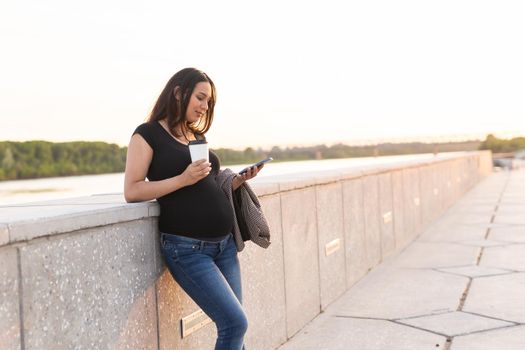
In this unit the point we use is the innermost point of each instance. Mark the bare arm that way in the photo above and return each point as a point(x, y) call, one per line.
point(138, 160)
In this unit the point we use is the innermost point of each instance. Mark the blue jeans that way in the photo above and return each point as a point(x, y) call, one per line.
point(209, 272)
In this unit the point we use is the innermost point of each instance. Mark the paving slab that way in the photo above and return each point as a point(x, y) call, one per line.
point(390, 293)
point(475, 271)
point(455, 323)
point(447, 233)
point(508, 234)
point(511, 205)
point(483, 243)
point(437, 255)
point(510, 218)
point(509, 257)
point(498, 296)
point(471, 207)
point(338, 333)
point(466, 218)
point(511, 338)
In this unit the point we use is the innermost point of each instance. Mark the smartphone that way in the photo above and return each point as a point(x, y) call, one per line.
point(258, 164)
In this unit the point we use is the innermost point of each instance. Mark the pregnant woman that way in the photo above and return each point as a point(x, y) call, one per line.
point(196, 217)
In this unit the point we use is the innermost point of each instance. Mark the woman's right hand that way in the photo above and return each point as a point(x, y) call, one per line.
point(196, 171)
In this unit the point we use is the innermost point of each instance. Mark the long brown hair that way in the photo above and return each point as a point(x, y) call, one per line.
point(168, 106)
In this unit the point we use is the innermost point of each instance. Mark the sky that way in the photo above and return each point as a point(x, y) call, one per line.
point(288, 73)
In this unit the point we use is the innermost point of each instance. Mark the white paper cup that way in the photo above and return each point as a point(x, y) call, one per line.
point(199, 150)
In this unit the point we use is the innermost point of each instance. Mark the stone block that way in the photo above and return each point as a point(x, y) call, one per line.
point(485, 163)
point(91, 289)
point(301, 258)
point(412, 202)
point(9, 300)
point(439, 189)
point(330, 231)
point(203, 338)
point(432, 198)
point(263, 284)
point(354, 227)
point(170, 308)
point(448, 189)
point(451, 192)
point(427, 194)
point(4, 234)
point(173, 304)
point(371, 216)
point(454, 185)
point(398, 204)
point(460, 168)
point(386, 215)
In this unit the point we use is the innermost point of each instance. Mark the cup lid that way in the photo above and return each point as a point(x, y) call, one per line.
point(197, 142)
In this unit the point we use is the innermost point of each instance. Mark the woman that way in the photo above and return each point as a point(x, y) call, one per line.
point(196, 218)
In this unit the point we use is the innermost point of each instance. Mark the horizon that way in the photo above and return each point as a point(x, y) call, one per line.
point(356, 143)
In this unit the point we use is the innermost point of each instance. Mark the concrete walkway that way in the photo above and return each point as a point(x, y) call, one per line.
point(459, 286)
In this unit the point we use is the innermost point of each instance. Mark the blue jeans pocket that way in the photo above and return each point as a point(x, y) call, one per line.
point(177, 250)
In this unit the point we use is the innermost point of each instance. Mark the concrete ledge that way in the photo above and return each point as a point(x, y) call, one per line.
point(101, 255)
point(25, 222)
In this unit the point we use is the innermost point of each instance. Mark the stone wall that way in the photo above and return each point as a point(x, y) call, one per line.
point(86, 273)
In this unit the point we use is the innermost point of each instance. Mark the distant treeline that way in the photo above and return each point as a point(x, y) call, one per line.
point(503, 146)
point(35, 159)
point(250, 155)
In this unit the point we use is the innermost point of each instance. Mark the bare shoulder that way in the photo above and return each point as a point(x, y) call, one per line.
point(139, 152)
point(138, 142)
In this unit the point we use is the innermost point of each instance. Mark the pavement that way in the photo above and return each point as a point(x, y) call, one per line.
point(459, 286)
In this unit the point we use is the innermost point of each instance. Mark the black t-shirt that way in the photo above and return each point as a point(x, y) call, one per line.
point(200, 210)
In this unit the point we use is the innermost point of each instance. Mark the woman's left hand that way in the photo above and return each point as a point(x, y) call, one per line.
point(241, 178)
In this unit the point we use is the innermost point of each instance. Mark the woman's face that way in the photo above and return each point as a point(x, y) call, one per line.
point(199, 100)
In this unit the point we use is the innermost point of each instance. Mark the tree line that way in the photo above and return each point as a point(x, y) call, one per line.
point(36, 159)
point(497, 145)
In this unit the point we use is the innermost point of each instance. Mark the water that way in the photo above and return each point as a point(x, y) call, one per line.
point(23, 191)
